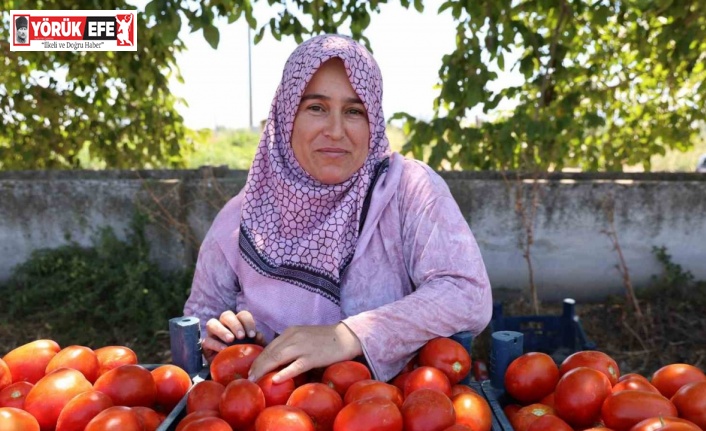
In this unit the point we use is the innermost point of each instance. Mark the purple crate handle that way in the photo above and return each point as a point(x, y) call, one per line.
point(185, 341)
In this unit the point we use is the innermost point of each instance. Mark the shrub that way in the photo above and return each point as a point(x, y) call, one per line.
point(110, 293)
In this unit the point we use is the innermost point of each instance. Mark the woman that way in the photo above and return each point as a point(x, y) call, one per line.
point(335, 248)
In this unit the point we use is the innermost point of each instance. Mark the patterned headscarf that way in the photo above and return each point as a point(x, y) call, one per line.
point(293, 227)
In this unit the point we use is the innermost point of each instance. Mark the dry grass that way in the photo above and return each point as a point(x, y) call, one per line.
point(672, 330)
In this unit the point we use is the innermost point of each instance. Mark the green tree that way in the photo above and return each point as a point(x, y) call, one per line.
point(115, 105)
point(606, 83)
point(56, 107)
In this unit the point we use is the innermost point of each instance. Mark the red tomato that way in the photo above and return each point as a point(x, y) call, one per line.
point(52, 392)
point(670, 378)
point(149, 418)
point(276, 394)
point(400, 380)
point(473, 410)
point(366, 415)
point(592, 359)
point(690, 401)
point(460, 389)
point(128, 385)
point(319, 401)
point(341, 375)
point(579, 396)
point(116, 418)
point(665, 424)
point(234, 362)
point(634, 384)
point(549, 423)
point(448, 356)
point(526, 415)
point(13, 419)
point(5, 375)
point(241, 402)
point(427, 409)
point(531, 377)
point(373, 389)
point(193, 417)
point(79, 411)
point(279, 417)
point(15, 394)
point(110, 357)
point(28, 361)
point(172, 384)
point(632, 376)
point(511, 411)
point(205, 395)
point(624, 409)
point(427, 378)
point(79, 358)
point(548, 400)
point(458, 427)
point(208, 424)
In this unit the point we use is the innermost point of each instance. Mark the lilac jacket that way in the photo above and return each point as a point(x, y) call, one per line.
point(417, 274)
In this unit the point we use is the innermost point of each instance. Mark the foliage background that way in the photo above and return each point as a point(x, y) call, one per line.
point(607, 84)
point(107, 294)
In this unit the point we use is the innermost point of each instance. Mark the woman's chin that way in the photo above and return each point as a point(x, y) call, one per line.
point(332, 176)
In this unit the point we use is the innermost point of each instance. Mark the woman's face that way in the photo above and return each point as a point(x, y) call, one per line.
point(331, 132)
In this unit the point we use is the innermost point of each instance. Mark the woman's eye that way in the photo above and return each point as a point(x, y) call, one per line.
point(356, 111)
point(315, 108)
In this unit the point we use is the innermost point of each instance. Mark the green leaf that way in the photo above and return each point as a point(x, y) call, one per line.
point(212, 35)
point(259, 35)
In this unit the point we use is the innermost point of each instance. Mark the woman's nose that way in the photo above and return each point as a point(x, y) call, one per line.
point(334, 126)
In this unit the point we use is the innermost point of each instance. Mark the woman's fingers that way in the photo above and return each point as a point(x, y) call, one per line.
point(302, 348)
point(247, 322)
point(222, 332)
point(230, 321)
point(218, 331)
point(281, 351)
point(291, 371)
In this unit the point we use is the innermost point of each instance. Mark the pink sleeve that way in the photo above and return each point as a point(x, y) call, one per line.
point(452, 292)
point(215, 285)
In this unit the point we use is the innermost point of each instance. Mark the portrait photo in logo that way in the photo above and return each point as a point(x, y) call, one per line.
point(21, 30)
point(125, 32)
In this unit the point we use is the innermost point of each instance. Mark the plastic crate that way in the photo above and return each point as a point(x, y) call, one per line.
point(184, 333)
point(500, 421)
point(558, 336)
point(179, 411)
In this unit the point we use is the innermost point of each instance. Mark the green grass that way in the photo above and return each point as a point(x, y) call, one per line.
point(233, 148)
point(677, 161)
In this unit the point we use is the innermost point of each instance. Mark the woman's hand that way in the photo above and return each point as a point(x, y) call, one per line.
point(301, 348)
point(229, 327)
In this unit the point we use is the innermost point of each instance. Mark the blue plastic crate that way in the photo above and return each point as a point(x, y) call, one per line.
point(185, 348)
point(558, 336)
point(179, 411)
point(500, 421)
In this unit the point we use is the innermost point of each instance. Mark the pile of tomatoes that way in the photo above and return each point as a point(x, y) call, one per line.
point(587, 392)
point(44, 387)
point(425, 396)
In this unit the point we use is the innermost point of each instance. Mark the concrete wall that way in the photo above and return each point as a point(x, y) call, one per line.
point(571, 254)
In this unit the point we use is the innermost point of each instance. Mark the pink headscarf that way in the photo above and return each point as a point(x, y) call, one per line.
point(293, 227)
